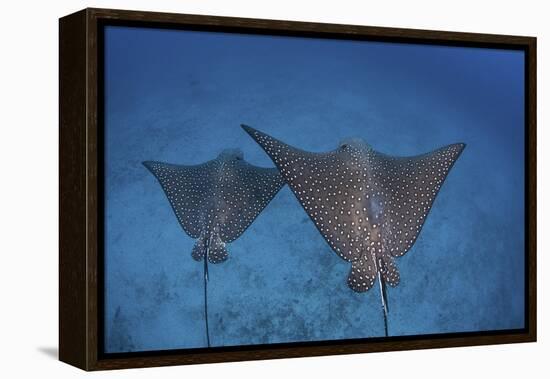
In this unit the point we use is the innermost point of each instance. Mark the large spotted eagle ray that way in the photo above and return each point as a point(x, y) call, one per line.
point(215, 202)
point(368, 206)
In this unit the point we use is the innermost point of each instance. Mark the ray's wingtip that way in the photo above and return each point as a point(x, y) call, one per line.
point(254, 133)
point(250, 130)
point(458, 147)
point(148, 165)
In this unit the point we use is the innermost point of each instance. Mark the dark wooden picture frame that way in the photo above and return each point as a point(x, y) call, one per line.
point(81, 160)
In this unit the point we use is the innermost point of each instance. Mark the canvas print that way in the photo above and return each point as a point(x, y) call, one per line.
point(264, 189)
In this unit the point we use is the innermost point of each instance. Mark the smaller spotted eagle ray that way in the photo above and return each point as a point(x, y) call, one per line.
point(368, 206)
point(215, 202)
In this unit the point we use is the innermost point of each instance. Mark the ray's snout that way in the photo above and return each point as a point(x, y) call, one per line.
point(231, 154)
point(354, 142)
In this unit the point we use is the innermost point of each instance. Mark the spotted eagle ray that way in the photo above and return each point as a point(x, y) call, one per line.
point(368, 206)
point(215, 202)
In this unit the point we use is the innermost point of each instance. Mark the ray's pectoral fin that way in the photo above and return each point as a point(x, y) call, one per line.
point(362, 274)
point(217, 251)
point(412, 188)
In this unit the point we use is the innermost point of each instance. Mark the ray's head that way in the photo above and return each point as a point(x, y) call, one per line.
point(354, 143)
point(231, 155)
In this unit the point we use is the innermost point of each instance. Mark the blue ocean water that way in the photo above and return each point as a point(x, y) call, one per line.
point(180, 96)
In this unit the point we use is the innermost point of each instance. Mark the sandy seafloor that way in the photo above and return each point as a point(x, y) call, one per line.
point(179, 97)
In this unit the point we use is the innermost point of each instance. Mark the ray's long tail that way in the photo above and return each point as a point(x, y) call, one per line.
point(383, 296)
point(206, 297)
